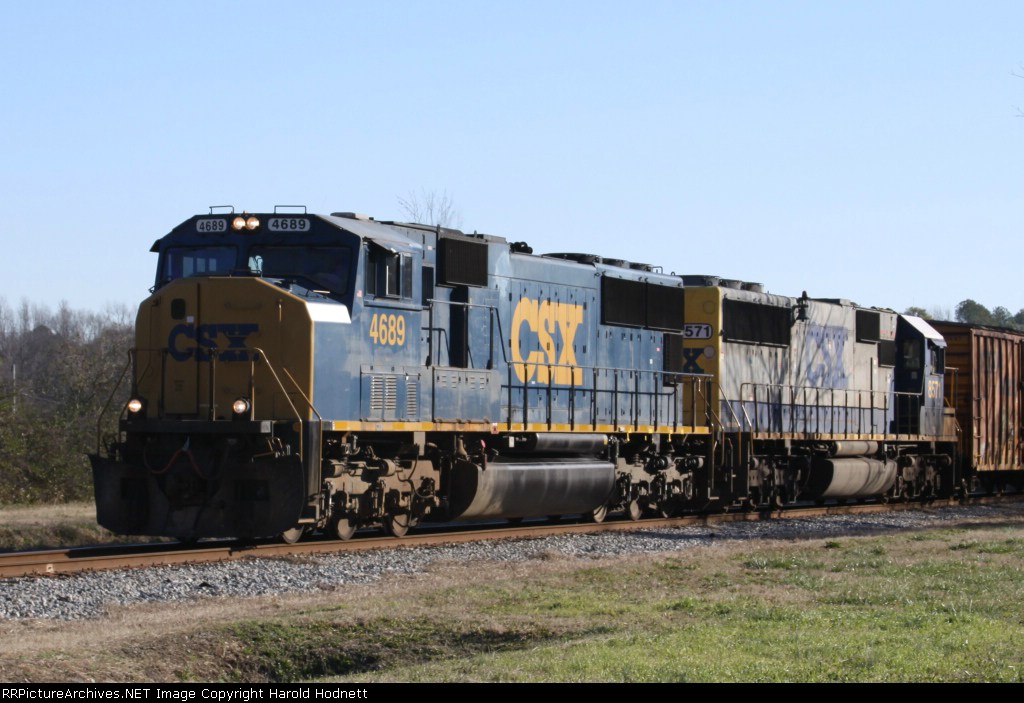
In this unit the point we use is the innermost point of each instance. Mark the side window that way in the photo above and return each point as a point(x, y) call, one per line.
point(912, 354)
point(406, 276)
point(392, 275)
point(388, 274)
point(370, 276)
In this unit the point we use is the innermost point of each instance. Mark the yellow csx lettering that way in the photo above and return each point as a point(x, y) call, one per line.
point(551, 362)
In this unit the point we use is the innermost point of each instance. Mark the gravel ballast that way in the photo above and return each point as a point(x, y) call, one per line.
point(80, 596)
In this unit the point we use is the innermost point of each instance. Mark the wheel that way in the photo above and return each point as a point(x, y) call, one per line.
point(665, 509)
point(343, 527)
point(293, 535)
point(398, 525)
point(598, 514)
point(633, 510)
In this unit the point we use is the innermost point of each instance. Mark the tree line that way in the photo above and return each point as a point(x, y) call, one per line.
point(975, 313)
point(59, 368)
point(57, 371)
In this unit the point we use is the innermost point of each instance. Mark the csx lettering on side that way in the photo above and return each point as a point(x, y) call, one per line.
point(551, 362)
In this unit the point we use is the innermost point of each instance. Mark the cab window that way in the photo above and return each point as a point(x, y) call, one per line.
point(182, 262)
point(318, 268)
point(912, 354)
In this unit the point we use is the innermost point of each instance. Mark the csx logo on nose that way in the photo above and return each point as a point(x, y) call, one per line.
point(547, 320)
point(199, 341)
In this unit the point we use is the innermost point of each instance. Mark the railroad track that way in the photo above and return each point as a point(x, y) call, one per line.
point(63, 561)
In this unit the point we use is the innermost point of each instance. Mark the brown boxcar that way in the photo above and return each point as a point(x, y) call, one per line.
point(983, 379)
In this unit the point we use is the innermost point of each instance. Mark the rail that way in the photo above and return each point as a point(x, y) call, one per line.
point(736, 419)
point(612, 392)
point(110, 399)
point(254, 355)
point(780, 409)
point(493, 320)
point(18, 564)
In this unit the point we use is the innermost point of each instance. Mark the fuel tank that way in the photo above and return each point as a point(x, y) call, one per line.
point(558, 443)
point(852, 477)
point(530, 487)
point(853, 448)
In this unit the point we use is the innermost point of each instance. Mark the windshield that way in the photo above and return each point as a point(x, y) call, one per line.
point(320, 268)
point(180, 262)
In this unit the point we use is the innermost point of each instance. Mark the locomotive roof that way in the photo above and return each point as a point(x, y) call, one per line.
point(409, 236)
point(925, 329)
point(383, 234)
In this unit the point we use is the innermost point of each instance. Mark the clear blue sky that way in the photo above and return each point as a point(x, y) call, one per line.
point(864, 150)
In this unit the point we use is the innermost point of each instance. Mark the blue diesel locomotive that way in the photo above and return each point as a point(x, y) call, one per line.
point(296, 373)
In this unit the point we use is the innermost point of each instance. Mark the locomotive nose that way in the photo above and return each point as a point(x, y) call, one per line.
point(204, 343)
point(213, 448)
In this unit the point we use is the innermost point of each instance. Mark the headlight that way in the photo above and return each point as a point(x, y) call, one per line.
point(241, 406)
point(252, 223)
point(238, 223)
point(134, 406)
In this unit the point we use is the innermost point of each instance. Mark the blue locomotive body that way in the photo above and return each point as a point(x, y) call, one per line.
point(298, 372)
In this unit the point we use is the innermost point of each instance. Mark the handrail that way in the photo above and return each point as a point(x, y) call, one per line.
point(492, 316)
point(255, 354)
point(110, 399)
point(782, 391)
point(298, 388)
point(695, 383)
point(950, 392)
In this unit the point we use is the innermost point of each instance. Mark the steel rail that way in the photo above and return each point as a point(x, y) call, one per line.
point(65, 561)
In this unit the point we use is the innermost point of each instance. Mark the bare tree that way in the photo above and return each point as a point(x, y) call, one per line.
point(429, 207)
point(57, 370)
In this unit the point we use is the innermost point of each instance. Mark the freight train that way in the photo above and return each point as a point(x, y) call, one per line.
point(296, 373)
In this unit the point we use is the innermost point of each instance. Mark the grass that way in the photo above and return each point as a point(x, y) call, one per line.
point(944, 605)
point(876, 609)
point(282, 651)
point(52, 526)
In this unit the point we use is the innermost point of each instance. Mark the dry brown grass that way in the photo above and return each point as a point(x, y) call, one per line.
point(52, 526)
point(46, 516)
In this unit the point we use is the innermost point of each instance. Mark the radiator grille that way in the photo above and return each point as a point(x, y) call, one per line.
point(411, 399)
point(382, 394)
